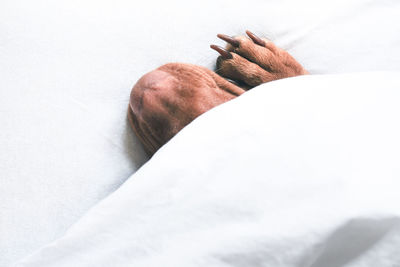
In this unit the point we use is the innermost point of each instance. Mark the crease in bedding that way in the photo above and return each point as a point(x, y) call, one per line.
point(297, 172)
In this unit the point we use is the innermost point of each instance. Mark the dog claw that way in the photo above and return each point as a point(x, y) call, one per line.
point(255, 38)
point(228, 39)
point(223, 52)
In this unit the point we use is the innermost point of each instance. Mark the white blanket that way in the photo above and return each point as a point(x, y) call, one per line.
point(297, 172)
point(67, 67)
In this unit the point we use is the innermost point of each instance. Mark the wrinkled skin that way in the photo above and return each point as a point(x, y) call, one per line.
point(165, 100)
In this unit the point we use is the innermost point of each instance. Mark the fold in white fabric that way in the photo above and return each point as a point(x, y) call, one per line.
point(297, 172)
point(67, 68)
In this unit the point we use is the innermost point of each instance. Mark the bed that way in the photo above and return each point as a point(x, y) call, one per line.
point(73, 188)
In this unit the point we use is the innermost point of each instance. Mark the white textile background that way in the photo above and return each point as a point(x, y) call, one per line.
point(296, 172)
point(67, 68)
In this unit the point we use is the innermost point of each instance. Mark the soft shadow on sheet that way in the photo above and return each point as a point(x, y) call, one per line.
point(133, 148)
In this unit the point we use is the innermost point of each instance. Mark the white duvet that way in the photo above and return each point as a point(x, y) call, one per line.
point(66, 70)
point(298, 172)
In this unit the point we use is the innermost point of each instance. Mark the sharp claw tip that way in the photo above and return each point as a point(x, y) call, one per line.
point(224, 53)
point(255, 38)
point(229, 39)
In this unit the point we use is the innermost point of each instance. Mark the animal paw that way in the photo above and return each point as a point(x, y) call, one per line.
point(251, 61)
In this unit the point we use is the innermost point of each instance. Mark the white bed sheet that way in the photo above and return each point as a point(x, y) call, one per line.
point(67, 68)
point(297, 172)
